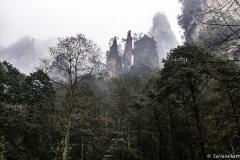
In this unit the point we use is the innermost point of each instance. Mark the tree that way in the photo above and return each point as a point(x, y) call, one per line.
point(26, 115)
point(73, 60)
point(178, 98)
point(38, 89)
point(194, 104)
point(10, 84)
point(40, 113)
point(129, 140)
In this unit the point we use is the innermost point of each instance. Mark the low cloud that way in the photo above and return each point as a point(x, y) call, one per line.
point(163, 35)
point(25, 53)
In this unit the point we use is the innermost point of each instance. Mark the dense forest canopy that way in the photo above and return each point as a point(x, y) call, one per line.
point(69, 109)
point(186, 110)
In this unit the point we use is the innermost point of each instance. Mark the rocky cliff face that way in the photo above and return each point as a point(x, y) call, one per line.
point(145, 53)
point(114, 63)
point(163, 35)
point(148, 50)
point(190, 8)
point(127, 55)
point(213, 25)
point(198, 14)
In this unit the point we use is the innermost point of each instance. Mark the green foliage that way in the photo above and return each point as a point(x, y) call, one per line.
point(188, 109)
point(27, 111)
point(38, 89)
point(11, 82)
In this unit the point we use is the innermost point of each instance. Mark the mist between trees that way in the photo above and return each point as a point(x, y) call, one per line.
point(76, 107)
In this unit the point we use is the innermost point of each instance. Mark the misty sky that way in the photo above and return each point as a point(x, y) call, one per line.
point(99, 20)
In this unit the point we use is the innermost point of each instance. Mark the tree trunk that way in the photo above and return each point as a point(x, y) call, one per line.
point(196, 114)
point(128, 138)
point(82, 149)
point(234, 113)
point(118, 125)
point(190, 138)
point(66, 142)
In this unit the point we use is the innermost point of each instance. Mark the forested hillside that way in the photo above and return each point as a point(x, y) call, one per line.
point(76, 107)
point(187, 110)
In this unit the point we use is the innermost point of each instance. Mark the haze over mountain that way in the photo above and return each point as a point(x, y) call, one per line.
point(25, 53)
point(163, 35)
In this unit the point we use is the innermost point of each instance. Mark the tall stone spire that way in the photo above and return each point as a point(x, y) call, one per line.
point(145, 53)
point(164, 36)
point(114, 63)
point(113, 48)
point(127, 55)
